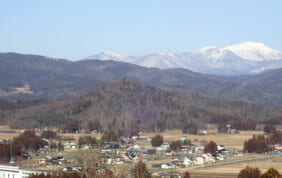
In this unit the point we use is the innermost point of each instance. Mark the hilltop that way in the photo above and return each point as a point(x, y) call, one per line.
point(125, 104)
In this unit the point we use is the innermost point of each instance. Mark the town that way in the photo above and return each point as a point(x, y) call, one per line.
point(141, 89)
point(172, 153)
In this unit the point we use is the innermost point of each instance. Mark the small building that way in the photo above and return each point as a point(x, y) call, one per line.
point(278, 147)
point(204, 132)
point(16, 172)
point(187, 162)
point(70, 145)
point(220, 147)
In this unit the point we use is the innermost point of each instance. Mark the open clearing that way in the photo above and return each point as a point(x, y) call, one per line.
point(232, 170)
point(230, 141)
point(8, 135)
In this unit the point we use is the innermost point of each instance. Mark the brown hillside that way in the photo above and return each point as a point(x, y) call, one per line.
point(124, 104)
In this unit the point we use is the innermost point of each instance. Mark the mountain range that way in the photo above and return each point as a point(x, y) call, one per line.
point(26, 77)
point(244, 58)
point(126, 104)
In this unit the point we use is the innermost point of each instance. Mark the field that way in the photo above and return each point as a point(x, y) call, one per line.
point(230, 141)
point(232, 170)
point(8, 135)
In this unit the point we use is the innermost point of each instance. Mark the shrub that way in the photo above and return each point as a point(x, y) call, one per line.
point(175, 145)
point(211, 147)
point(257, 144)
point(249, 172)
point(140, 170)
point(157, 140)
point(109, 136)
point(271, 173)
point(29, 141)
point(187, 175)
point(49, 134)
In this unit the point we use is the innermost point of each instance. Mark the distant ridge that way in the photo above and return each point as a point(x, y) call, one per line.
point(244, 58)
point(27, 77)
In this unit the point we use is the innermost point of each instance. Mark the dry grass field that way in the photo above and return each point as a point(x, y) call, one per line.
point(232, 170)
point(230, 141)
point(18, 131)
point(76, 136)
point(8, 135)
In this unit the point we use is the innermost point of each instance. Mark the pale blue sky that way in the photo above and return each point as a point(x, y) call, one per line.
point(75, 29)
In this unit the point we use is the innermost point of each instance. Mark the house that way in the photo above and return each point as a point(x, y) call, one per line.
point(85, 147)
point(16, 172)
point(204, 132)
point(160, 149)
point(165, 146)
point(198, 161)
point(136, 147)
point(208, 158)
point(42, 161)
point(168, 166)
point(187, 162)
point(66, 169)
point(3, 141)
point(114, 161)
point(278, 147)
point(198, 149)
point(70, 145)
point(220, 147)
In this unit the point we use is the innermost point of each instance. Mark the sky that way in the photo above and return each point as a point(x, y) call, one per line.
point(75, 29)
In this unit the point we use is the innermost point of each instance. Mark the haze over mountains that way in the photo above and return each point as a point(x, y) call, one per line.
point(36, 77)
point(244, 58)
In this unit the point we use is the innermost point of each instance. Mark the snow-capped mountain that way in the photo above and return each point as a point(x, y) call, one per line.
point(244, 58)
point(108, 55)
point(255, 51)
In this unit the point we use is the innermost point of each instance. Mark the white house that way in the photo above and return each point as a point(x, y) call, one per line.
point(199, 161)
point(187, 162)
point(16, 172)
point(70, 145)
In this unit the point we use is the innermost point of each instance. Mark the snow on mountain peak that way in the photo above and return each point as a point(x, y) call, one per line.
point(255, 51)
point(237, 59)
point(108, 55)
point(211, 52)
point(112, 54)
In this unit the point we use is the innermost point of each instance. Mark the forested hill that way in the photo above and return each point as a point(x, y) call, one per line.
point(33, 77)
point(126, 103)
